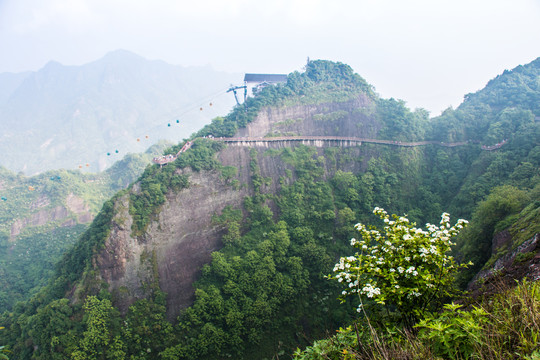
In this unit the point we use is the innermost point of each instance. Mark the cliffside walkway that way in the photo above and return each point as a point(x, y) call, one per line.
point(327, 140)
point(165, 159)
point(318, 141)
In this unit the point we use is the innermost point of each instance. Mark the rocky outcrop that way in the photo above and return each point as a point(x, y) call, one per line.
point(38, 219)
point(78, 207)
point(41, 202)
point(521, 262)
point(74, 206)
point(499, 240)
point(176, 245)
point(351, 118)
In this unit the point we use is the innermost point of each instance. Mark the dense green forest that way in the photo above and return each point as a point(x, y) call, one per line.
point(266, 292)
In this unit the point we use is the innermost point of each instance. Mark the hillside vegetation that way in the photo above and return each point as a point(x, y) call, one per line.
point(266, 292)
point(41, 217)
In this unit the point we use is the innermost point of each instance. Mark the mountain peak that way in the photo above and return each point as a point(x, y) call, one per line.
point(52, 65)
point(121, 54)
point(121, 93)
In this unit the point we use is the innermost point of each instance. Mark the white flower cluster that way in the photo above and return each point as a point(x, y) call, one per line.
point(371, 291)
point(344, 263)
point(412, 270)
point(399, 262)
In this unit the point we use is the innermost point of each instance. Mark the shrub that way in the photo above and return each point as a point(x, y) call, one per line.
point(401, 265)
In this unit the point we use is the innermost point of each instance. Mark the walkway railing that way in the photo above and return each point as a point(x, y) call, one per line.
point(350, 141)
point(336, 138)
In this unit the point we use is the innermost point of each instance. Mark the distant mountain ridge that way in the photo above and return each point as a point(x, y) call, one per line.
point(64, 116)
point(9, 83)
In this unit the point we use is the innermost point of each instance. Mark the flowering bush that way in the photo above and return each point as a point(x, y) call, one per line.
point(401, 265)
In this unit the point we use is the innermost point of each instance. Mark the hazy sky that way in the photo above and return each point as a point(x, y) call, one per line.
point(426, 52)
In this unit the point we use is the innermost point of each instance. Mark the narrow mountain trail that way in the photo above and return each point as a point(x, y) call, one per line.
point(337, 138)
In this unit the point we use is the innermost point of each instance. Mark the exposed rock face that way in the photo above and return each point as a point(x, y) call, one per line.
point(349, 118)
point(74, 205)
point(177, 244)
point(181, 240)
point(77, 206)
point(40, 202)
point(121, 249)
point(500, 239)
point(509, 268)
point(38, 219)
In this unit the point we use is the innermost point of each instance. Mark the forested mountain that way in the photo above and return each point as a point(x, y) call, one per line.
point(42, 216)
point(9, 82)
point(65, 116)
point(224, 252)
point(494, 113)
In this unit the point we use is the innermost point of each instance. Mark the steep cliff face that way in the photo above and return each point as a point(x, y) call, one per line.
point(515, 253)
point(517, 264)
point(74, 211)
point(351, 118)
point(174, 247)
point(182, 238)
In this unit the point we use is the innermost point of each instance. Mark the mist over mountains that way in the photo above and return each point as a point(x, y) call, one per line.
point(65, 116)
